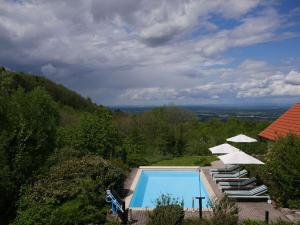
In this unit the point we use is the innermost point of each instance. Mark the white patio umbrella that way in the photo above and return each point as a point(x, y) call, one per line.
point(241, 138)
point(223, 149)
point(239, 158)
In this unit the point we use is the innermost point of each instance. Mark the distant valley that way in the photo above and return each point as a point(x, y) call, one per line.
point(223, 113)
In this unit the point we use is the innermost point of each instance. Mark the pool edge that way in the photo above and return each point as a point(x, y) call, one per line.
point(208, 187)
point(132, 188)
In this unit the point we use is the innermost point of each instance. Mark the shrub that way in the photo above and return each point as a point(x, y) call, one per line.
point(295, 204)
point(112, 223)
point(224, 212)
point(136, 160)
point(71, 192)
point(259, 222)
point(94, 133)
point(196, 222)
point(168, 211)
point(253, 222)
point(283, 164)
point(282, 222)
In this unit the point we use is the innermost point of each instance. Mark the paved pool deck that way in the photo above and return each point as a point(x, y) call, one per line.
point(248, 210)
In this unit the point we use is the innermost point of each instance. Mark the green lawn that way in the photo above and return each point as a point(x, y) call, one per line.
point(187, 161)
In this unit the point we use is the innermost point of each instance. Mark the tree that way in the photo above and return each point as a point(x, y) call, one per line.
point(31, 131)
point(71, 192)
point(62, 95)
point(283, 164)
point(27, 136)
point(95, 133)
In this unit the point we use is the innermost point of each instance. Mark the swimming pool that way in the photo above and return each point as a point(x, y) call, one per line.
point(181, 184)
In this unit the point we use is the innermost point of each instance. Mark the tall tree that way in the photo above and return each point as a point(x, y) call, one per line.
point(33, 119)
point(27, 136)
point(95, 133)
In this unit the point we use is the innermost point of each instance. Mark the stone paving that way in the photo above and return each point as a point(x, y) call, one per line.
point(248, 210)
point(129, 180)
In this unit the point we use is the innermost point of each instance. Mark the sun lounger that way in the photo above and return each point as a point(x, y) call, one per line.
point(222, 179)
point(255, 197)
point(239, 183)
point(227, 188)
point(229, 172)
point(224, 170)
point(253, 192)
point(235, 175)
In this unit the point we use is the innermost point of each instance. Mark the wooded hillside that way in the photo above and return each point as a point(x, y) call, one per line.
point(58, 92)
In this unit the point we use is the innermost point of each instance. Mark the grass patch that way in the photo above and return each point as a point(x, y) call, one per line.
point(70, 206)
point(153, 155)
point(187, 161)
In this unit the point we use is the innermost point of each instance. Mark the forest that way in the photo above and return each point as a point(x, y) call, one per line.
point(59, 151)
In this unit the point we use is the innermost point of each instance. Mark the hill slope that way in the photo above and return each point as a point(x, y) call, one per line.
point(59, 93)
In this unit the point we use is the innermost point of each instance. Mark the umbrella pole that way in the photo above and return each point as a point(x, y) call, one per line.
point(239, 179)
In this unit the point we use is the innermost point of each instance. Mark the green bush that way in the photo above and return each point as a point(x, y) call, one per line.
point(196, 222)
point(283, 166)
point(94, 133)
point(170, 214)
point(112, 223)
point(136, 160)
point(72, 192)
point(295, 204)
point(168, 211)
point(259, 222)
point(253, 222)
point(28, 125)
point(224, 212)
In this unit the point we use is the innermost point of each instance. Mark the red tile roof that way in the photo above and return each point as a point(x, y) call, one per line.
point(289, 122)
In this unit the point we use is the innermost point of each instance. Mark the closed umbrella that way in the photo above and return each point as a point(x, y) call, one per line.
point(223, 149)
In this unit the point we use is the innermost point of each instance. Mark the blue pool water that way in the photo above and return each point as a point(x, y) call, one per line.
point(181, 184)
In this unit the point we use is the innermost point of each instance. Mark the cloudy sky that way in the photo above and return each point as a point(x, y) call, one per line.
point(153, 52)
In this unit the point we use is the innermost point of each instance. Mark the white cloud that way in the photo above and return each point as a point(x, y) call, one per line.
point(271, 86)
point(215, 97)
point(157, 22)
point(135, 50)
point(207, 91)
point(250, 79)
point(48, 69)
point(250, 64)
point(293, 78)
point(251, 31)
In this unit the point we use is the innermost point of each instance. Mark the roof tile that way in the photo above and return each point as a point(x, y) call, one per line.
point(287, 123)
